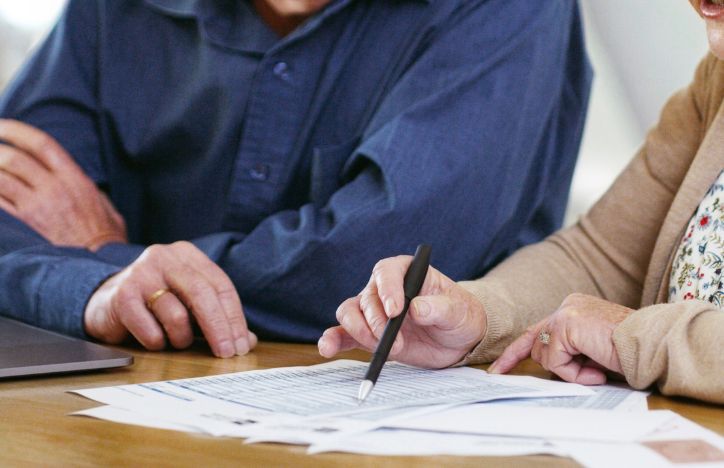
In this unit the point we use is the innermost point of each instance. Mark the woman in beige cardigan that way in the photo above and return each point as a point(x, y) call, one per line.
point(634, 288)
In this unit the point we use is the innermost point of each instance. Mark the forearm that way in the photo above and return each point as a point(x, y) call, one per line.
point(45, 285)
point(677, 346)
point(607, 253)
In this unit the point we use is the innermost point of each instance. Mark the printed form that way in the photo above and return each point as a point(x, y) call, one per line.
point(233, 404)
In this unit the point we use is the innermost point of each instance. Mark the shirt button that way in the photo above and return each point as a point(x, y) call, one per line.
point(281, 69)
point(259, 172)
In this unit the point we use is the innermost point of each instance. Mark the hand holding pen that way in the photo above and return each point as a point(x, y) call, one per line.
point(443, 324)
point(414, 278)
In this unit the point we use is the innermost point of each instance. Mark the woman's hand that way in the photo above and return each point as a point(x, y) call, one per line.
point(580, 341)
point(155, 297)
point(41, 185)
point(443, 324)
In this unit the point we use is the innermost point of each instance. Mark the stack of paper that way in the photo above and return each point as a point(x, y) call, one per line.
point(460, 411)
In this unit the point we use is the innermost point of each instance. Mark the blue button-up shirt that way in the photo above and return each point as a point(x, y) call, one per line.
point(296, 163)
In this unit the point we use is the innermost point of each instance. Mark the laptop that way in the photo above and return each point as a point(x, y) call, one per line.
point(26, 350)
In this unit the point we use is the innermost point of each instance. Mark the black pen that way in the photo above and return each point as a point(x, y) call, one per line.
point(414, 278)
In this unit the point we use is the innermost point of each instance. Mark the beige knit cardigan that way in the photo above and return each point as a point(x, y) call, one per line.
point(622, 251)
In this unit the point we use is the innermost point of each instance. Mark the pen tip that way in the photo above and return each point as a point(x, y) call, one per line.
point(364, 390)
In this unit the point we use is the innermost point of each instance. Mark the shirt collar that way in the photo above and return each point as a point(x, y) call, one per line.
point(175, 8)
point(187, 8)
point(228, 23)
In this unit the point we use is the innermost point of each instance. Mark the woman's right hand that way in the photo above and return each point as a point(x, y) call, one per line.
point(443, 324)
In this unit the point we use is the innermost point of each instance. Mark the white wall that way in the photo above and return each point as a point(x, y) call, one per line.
point(642, 52)
point(23, 23)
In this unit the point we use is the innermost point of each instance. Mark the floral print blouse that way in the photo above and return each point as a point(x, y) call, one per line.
point(697, 269)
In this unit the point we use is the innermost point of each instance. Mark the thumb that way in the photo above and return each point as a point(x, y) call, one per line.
point(111, 210)
point(438, 311)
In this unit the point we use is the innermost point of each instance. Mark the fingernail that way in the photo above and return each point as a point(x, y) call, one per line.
point(493, 368)
point(226, 349)
point(253, 340)
point(422, 309)
point(390, 306)
point(323, 345)
point(242, 346)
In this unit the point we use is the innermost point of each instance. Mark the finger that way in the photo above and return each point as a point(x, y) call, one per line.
point(226, 293)
point(12, 189)
point(388, 276)
point(551, 355)
point(112, 212)
point(336, 340)
point(373, 311)
point(573, 371)
point(39, 145)
point(253, 340)
point(448, 320)
point(515, 352)
point(23, 166)
point(8, 207)
point(174, 318)
point(200, 297)
point(350, 317)
point(588, 362)
point(438, 311)
point(129, 307)
point(537, 352)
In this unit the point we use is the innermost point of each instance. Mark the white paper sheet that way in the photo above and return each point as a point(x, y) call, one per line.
point(541, 422)
point(680, 443)
point(606, 397)
point(401, 442)
point(124, 416)
point(387, 441)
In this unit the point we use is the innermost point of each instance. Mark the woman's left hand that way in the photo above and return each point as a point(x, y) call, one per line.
point(579, 339)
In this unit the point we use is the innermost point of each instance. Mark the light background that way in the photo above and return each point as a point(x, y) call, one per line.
point(642, 51)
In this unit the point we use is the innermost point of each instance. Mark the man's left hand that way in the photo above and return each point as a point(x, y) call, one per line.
point(41, 185)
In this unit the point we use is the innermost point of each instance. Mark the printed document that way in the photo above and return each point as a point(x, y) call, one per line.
point(232, 404)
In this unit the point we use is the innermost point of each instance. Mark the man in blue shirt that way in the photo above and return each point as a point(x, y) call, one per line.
point(292, 149)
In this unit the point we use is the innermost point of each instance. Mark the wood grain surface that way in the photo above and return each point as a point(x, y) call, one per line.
point(35, 429)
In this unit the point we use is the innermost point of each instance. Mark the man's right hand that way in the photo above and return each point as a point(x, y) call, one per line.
point(135, 301)
point(443, 324)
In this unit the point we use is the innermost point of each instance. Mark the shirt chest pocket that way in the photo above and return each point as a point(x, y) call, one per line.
point(327, 169)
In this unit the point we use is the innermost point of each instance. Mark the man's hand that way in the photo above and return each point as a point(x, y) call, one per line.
point(154, 298)
point(442, 325)
point(41, 185)
point(580, 341)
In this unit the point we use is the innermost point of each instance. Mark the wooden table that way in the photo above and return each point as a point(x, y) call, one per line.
point(36, 431)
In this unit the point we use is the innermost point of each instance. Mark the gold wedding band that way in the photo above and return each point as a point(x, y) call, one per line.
point(155, 296)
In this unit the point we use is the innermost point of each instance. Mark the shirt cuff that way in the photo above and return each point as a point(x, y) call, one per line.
point(64, 293)
point(120, 254)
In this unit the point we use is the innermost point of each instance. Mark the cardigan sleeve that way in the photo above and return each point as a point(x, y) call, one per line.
point(677, 346)
point(606, 254)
